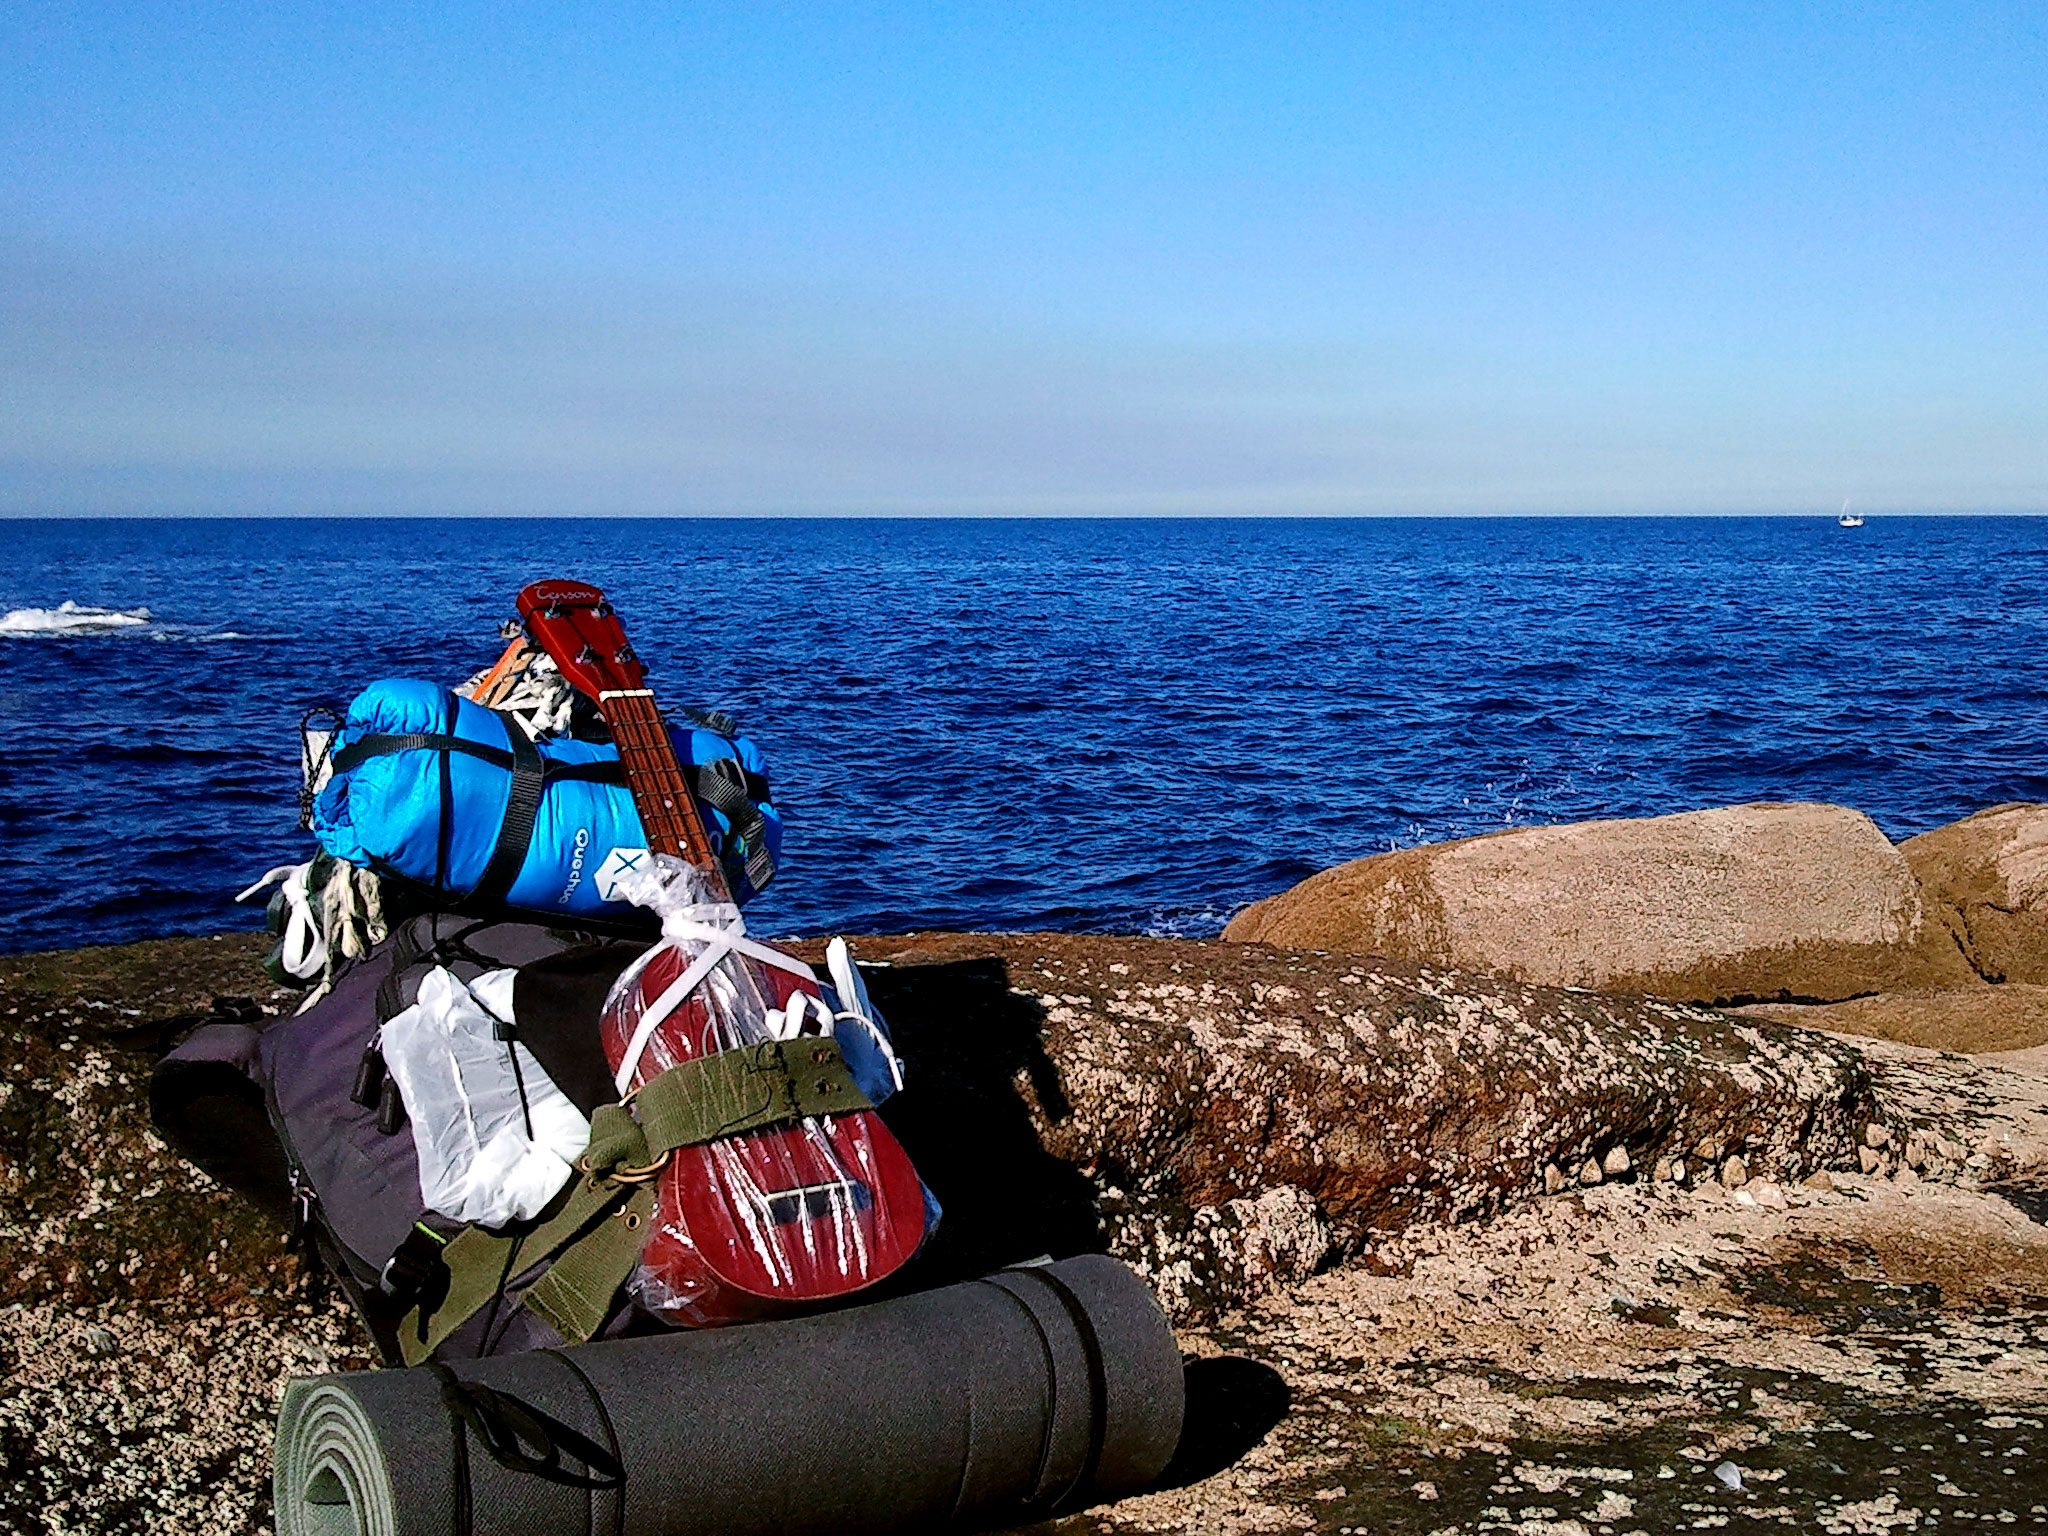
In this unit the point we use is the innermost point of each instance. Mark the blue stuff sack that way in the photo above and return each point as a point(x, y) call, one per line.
point(432, 789)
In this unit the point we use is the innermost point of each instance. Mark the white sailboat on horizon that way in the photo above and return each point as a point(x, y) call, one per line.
point(1846, 520)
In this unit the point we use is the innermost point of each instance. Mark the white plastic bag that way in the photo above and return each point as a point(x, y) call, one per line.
point(495, 1136)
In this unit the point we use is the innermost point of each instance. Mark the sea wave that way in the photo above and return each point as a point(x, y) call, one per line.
point(69, 618)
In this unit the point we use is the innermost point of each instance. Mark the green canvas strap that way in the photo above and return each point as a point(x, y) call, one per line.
point(480, 1262)
point(575, 1296)
point(594, 1230)
point(746, 1089)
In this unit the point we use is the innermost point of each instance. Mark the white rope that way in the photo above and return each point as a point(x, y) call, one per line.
point(719, 928)
point(854, 1004)
point(304, 953)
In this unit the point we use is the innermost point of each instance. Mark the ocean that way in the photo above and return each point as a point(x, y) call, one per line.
point(1113, 725)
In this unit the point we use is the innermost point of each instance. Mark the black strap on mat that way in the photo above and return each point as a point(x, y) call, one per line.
point(521, 1438)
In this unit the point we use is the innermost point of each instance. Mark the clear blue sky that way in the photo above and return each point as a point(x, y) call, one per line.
point(1024, 258)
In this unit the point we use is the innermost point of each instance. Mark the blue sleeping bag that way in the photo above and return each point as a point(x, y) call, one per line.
point(436, 790)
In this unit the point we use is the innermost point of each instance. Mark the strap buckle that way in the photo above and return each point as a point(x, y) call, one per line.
point(417, 1260)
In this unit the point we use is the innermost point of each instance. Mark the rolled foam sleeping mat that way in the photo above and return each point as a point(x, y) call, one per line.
point(1003, 1400)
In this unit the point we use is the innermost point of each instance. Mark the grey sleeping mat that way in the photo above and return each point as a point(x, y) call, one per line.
point(998, 1401)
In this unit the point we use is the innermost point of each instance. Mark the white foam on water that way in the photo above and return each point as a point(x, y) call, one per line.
point(69, 618)
point(1203, 922)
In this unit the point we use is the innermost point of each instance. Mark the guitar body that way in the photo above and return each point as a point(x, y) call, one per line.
point(767, 1221)
point(763, 1222)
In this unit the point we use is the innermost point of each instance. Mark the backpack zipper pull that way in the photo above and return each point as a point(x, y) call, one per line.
point(369, 1086)
point(302, 1199)
point(390, 1108)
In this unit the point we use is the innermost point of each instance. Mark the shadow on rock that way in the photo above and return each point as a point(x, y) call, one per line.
point(2027, 1193)
point(973, 1046)
point(1233, 1404)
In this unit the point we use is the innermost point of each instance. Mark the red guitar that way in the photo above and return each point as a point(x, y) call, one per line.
point(766, 1220)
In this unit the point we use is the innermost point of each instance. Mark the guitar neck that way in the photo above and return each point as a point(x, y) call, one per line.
point(668, 811)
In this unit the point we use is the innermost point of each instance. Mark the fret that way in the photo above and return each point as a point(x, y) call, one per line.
point(661, 794)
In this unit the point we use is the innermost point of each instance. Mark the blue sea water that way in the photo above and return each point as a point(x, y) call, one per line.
point(1124, 725)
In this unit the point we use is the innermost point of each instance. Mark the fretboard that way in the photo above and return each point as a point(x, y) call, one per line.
point(661, 794)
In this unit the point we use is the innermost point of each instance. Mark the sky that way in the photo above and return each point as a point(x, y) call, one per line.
point(1023, 259)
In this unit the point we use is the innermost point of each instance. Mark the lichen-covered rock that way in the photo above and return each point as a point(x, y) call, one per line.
point(1986, 879)
point(1228, 1117)
point(1743, 903)
point(94, 1209)
point(1071, 1090)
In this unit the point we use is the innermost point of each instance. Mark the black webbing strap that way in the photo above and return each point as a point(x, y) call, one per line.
point(409, 949)
point(521, 1438)
point(717, 721)
point(722, 785)
point(363, 748)
point(529, 780)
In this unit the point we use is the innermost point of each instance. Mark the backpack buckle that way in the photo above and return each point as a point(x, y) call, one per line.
point(417, 1260)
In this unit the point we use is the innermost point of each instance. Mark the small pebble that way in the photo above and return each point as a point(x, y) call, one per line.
point(1729, 1474)
point(1553, 1178)
point(1767, 1195)
point(1866, 1159)
point(1875, 1135)
point(1735, 1173)
point(1616, 1163)
point(1590, 1174)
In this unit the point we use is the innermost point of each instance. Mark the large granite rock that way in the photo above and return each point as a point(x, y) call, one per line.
point(2013, 1017)
point(1797, 902)
point(1986, 879)
point(1227, 1117)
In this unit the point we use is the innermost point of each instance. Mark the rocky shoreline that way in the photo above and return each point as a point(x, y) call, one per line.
point(1448, 1253)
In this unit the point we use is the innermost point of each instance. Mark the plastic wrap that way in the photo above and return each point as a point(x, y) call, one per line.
point(495, 1136)
point(802, 1211)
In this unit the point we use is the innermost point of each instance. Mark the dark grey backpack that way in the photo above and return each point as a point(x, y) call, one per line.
point(294, 1114)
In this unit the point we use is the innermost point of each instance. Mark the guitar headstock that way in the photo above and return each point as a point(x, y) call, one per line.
point(573, 623)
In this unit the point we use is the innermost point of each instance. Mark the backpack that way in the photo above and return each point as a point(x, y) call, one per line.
point(296, 1114)
point(278, 1110)
point(454, 804)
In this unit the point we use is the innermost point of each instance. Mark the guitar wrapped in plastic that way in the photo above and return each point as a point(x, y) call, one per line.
point(781, 1188)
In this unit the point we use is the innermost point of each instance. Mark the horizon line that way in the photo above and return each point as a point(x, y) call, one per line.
point(970, 516)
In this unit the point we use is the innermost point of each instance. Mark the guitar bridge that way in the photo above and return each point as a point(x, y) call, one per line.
point(815, 1202)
